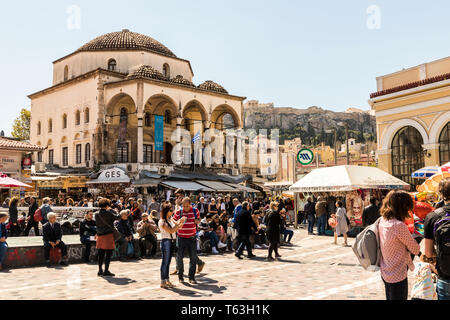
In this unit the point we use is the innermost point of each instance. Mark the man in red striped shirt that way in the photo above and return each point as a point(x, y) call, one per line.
point(187, 240)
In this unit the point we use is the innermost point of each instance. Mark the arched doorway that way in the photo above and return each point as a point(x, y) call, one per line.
point(444, 145)
point(407, 154)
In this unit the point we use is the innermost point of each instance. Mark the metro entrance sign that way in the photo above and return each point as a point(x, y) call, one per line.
point(305, 156)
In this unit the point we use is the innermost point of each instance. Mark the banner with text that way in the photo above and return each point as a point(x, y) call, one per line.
point(159, 133)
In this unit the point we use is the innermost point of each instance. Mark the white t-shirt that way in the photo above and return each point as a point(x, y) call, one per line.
point(164, 233)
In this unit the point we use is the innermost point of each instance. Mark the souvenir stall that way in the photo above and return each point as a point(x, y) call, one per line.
point(354, 185)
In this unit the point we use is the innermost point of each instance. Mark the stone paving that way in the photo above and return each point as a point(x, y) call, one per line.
point(312, 269)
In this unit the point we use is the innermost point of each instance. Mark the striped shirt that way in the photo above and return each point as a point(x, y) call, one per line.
point(189, 229)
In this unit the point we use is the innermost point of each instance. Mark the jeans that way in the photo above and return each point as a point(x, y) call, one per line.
point(321, 224)
point(288, 234)
point(87, 252)
point(396, 291)
point(189, 244)
point(311, 222)
point(213, 237)
point(244, 241)
point(48, 247)
point(3, 249)
point(443, 289)
point(166, 250)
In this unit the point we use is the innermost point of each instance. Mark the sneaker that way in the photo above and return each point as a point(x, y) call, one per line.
point(108, 274)
point(100, 273)
point(214, 250)
point(257, 246)
point(200, 267)
point(222, 245)
point(265, 246)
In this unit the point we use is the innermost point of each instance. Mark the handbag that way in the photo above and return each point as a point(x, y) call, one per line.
point(130, 249)
point(117, 235)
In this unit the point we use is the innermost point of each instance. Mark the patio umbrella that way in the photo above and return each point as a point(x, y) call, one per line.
point(7, 182)
point(426, 172)
point(432, 184)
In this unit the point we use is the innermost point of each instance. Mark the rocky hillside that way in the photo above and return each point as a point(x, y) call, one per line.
point(311, 124)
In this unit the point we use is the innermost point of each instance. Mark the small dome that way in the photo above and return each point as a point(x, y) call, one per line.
point(212, 86)
point(180, 80)
point(145, 71)
point(126, 40)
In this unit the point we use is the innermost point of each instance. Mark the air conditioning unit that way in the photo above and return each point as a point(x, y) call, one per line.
point(39, 167)
point(90, 164)
point(165, 171)
point(132, 167)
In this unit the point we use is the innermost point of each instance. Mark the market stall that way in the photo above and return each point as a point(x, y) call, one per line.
point(354, 185)
point(111, 182)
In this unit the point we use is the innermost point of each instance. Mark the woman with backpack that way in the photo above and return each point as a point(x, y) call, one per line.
point(396, 244)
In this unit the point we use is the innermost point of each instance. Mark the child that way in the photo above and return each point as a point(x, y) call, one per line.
point(423, 288)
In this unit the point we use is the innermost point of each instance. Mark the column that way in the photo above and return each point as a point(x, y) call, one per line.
point(385, 160)
point(140, 116)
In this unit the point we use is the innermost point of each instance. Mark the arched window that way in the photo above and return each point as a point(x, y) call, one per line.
point(64, 120)
point(444, 145)
point(50, 125)
point(87, 152)
point(39, 128)
point(77, 117)
point(66, 73)
point(86, 115)
point(147, 120)
point(407, 154)
point(112, 65)
point(166, 70)
point(168, 117)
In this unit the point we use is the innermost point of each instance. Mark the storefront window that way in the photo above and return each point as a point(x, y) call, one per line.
point(407, 154)
point(444, 145)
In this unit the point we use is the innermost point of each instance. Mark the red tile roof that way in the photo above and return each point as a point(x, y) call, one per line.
point(6, 143)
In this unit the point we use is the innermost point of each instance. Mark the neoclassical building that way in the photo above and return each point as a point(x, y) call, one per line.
point(102, 105)
point(412, 109)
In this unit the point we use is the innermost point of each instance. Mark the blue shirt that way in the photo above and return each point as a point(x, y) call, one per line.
point(236, 211)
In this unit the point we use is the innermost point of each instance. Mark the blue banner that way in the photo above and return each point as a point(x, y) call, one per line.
point(159, 133)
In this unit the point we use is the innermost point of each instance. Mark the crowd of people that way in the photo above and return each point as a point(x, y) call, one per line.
point(230, 224)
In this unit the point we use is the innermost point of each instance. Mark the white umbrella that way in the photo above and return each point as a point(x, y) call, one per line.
point(347, 178)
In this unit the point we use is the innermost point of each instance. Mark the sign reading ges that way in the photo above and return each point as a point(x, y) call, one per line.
point(305, 156)
point(115, 175)
point(112, 174)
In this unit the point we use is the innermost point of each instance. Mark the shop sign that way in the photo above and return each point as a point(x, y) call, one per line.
point(26, 162)
point(52, 184)
point(9, 164)
point(94, 191)
point(305, 156)
point(74, 182)
point(115, 175)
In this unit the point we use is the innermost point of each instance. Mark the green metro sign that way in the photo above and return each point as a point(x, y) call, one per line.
point(305, 156)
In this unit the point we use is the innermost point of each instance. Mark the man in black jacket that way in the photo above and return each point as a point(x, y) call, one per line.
point(88, 230)
point(124, 227)
point(52, 237)
point(371, 213)
point(30, 219)
point(245, 227)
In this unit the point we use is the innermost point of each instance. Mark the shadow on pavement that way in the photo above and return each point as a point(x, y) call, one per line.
point(120, 281)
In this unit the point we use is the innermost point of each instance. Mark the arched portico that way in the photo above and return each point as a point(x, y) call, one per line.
point(391, 131)
point(225, 117)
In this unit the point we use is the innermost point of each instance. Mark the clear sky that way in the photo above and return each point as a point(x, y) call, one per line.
point(291, 52)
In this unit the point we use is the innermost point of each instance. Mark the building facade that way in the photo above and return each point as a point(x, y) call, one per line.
point(105, 99)
point(412, 109)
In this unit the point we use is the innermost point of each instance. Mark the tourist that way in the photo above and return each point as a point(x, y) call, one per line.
point(136, 214)
point(155, 205)
point(212, 208)
point(321, 214)
point(260, 235)
point(273, 221)
point(245, 227)
point(310, 212)
point(187, 240)
point(125, 229)
point(341, 223)
point(168, 228)
point(437, 240)
point(371, 213)
point(31, 223)
point(3, 237)
point(88, 231)
point(396, 244)
point(237, 207)
point(52, 237)
point(202, 208)
point(45, 210)
point(147, 230)
point(229, 206)
point(105, 236)
point(287, 234)
point(14, 228)
point(222, 222)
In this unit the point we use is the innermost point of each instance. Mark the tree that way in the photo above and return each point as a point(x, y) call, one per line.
point(21, 125)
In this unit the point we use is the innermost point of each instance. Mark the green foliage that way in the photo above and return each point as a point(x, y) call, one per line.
point(21, 125)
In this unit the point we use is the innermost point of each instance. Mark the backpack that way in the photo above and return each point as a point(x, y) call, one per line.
point(38, 215)
point(442, 240)
point(367, 247)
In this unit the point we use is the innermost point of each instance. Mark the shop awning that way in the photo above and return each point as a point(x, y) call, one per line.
point(186, 186)
point(146, 182)
point(243, 188)
point(218, 186)
point(113, 175)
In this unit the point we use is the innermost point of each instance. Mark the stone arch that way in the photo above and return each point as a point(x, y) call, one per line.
point(158, 104)
point(194, 114)
point(392, 130)
point(115, 105)
point(438, 126)
point(218, 114)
